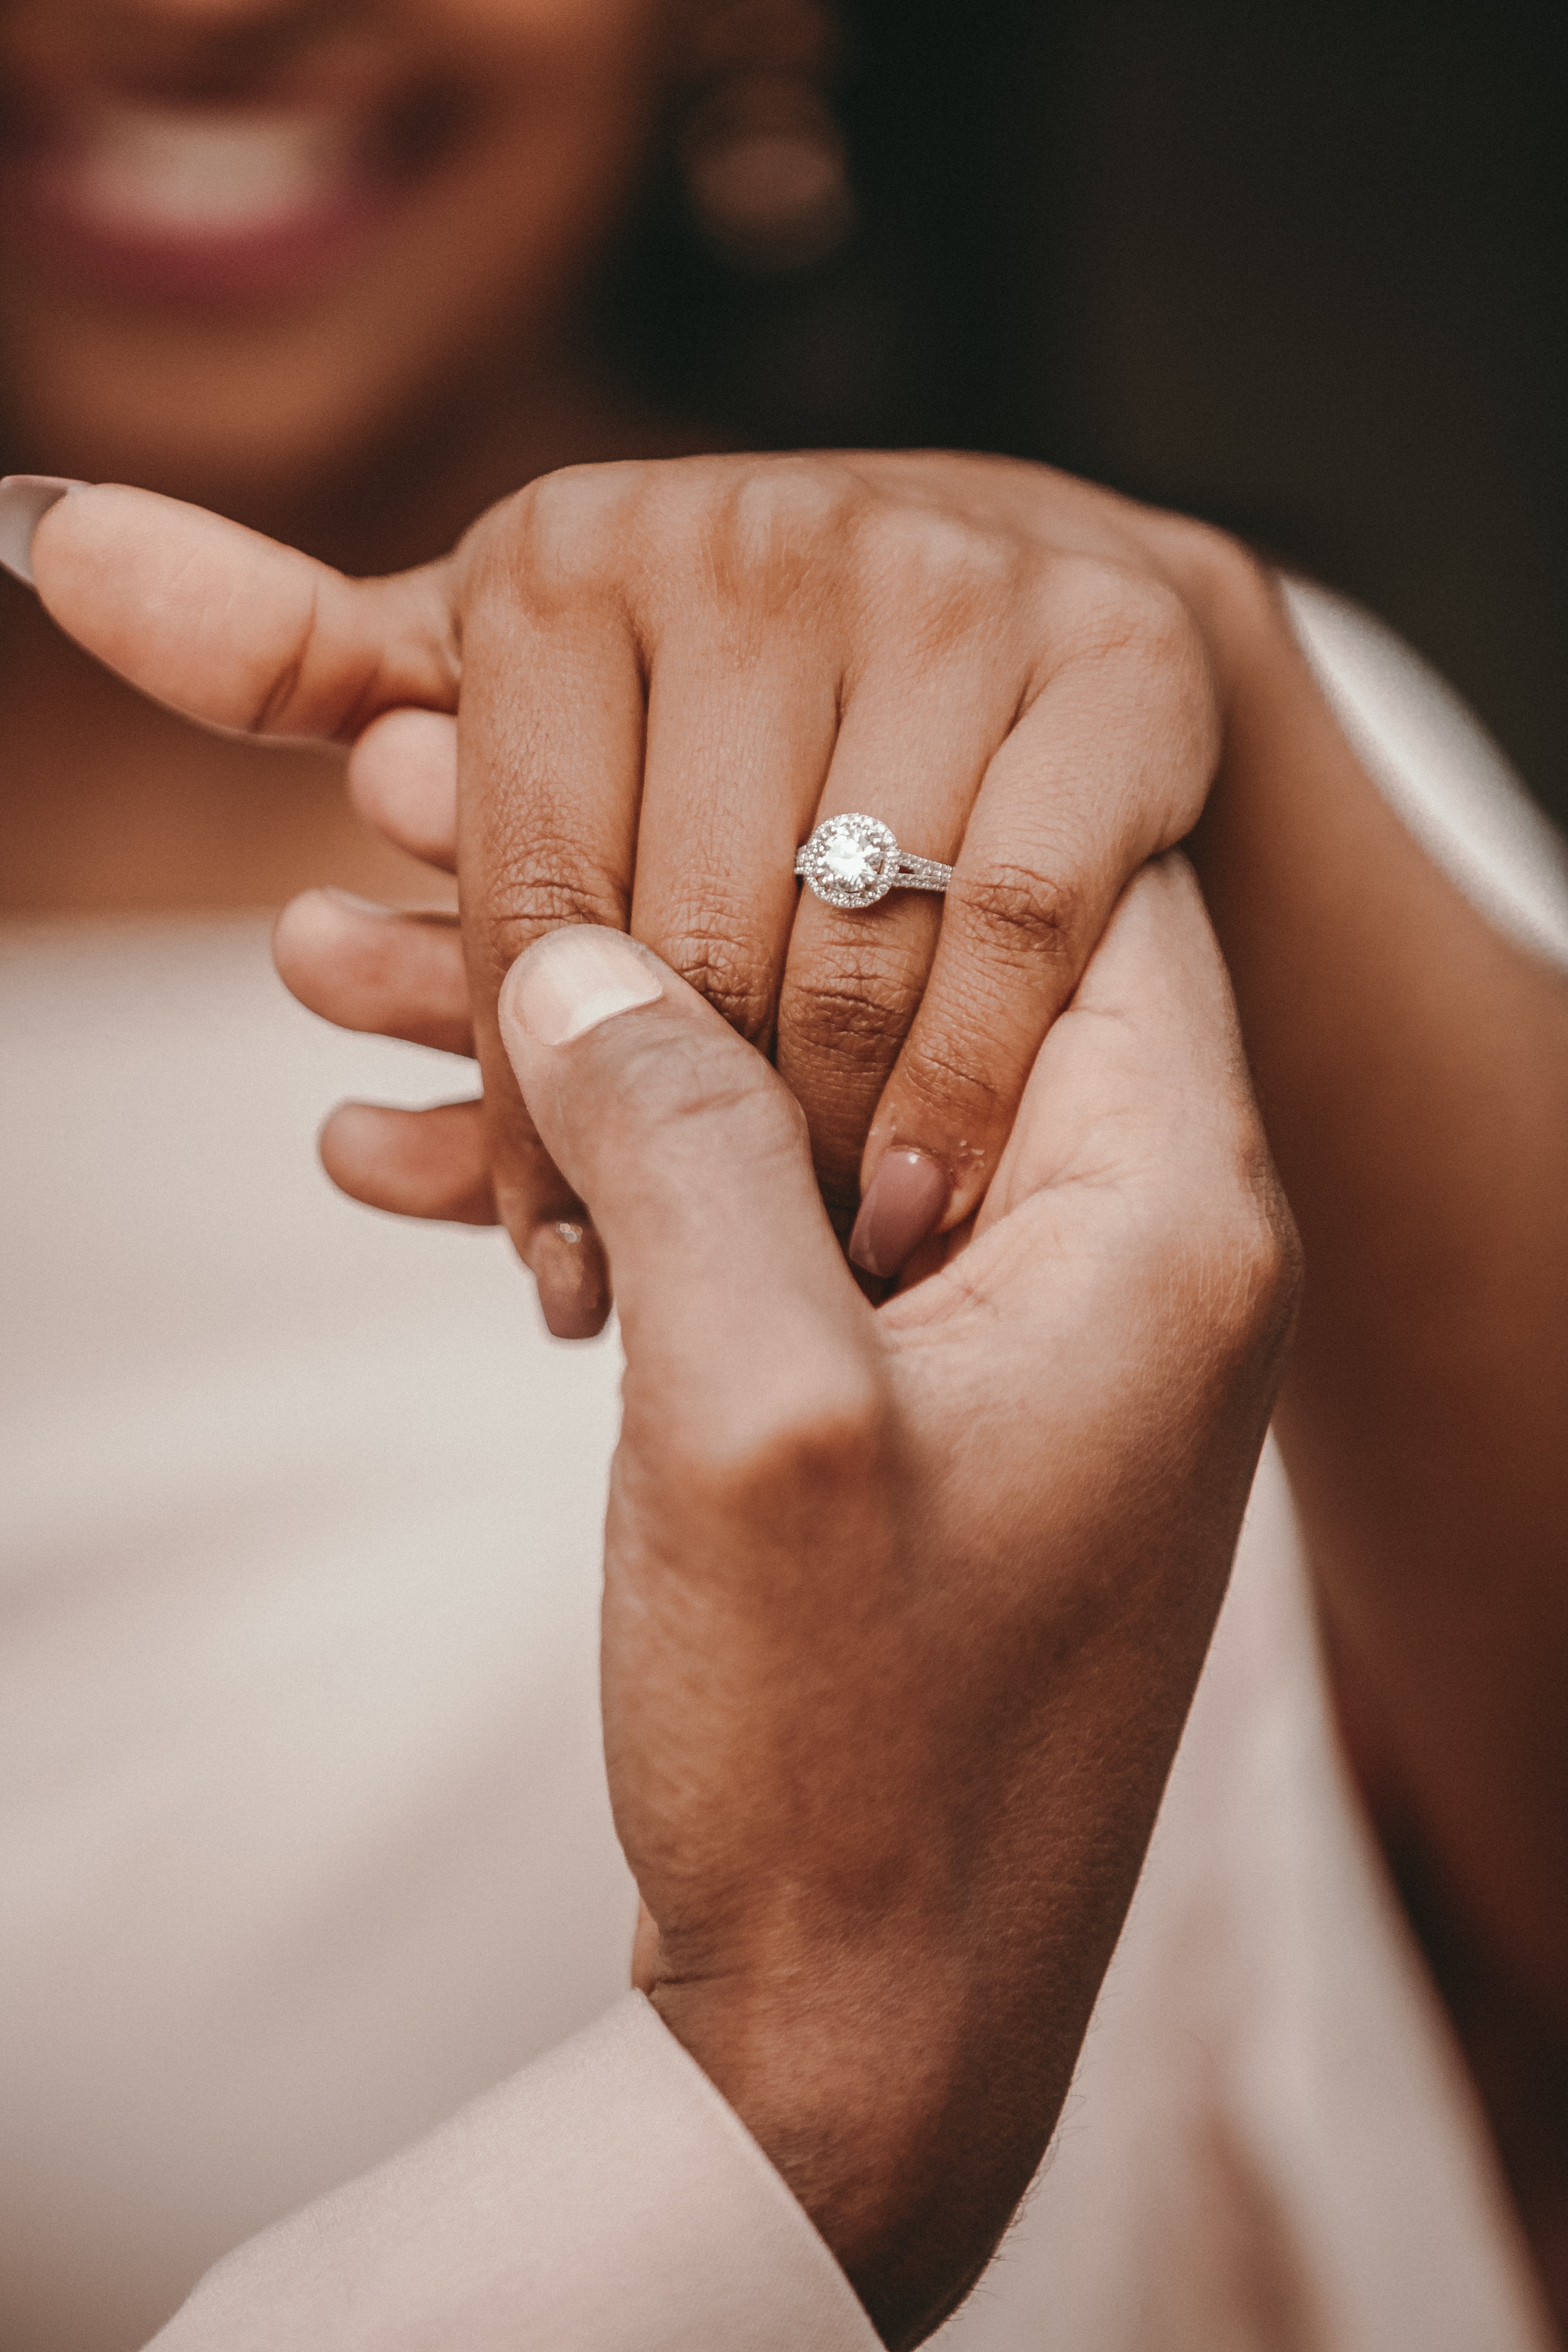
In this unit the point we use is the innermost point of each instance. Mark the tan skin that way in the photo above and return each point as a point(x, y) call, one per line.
point(1422, 1150)
point(1421, 1415)
point(368, 409)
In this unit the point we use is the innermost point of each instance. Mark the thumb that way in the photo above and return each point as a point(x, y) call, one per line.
point(1139, 1159)
point(230, 627)
point(693, 1159)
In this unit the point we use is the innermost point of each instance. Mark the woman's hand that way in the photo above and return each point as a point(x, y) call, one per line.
point(903, 1609)
point(670, 673)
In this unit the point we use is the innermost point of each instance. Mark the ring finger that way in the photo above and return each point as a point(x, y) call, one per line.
point(910, 752)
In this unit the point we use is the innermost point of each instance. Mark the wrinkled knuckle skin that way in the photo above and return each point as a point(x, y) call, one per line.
point(1017, 914)
point(678, 1082)
point(947, 1079)
point(1116, 615)
point(1107, 607)
point(721, 969)
point(533, 892)
point(849, 1004)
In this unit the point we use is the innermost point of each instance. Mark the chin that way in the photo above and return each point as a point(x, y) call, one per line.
point(244, 443)
point(258, 421)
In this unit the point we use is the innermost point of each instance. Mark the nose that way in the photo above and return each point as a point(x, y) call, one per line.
point(212, 38)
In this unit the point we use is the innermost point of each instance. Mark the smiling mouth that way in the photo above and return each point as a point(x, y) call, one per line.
point(203, 173)
point(207, 202)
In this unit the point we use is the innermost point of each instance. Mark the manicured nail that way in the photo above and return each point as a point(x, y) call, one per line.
point(568, 1261)
point(904, 1202)
point(569, 980)
point(352, 900)
point(25, 500)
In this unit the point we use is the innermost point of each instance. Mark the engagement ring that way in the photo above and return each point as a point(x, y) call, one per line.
point(853, 861)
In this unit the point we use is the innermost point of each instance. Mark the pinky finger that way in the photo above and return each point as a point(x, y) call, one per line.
point(415, 1163)
point(431, 1164)
point(403, 779)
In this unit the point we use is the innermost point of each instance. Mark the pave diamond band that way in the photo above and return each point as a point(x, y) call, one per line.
point(853, 861)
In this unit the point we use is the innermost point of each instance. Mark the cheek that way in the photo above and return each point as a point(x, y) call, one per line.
point(476, 260)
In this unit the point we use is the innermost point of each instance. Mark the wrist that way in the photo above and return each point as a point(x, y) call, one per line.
point(870, 2083)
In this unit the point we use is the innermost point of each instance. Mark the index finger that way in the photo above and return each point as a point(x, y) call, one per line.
point(233, 629)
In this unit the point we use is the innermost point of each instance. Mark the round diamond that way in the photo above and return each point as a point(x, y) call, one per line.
point(850, 861)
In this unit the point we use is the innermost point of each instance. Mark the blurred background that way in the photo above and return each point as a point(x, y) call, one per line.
point(1298, 270)
point(300, 1807)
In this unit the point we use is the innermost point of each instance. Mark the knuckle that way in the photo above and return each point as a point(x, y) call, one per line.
point(545, 887)
point(711, 960)
point(785, 500)
point(776, 525)
point(817, 1440)
point(1106, 608)
point(946, 575)
point(1137, 640)
point(1249, 1260)
point(678, 1081)
point(1017, 914)
point(953, 1076)
point(817, 1446)
point(566, 534)
point(852, 1001)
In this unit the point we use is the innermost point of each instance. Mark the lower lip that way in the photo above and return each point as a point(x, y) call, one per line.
point(285, 253)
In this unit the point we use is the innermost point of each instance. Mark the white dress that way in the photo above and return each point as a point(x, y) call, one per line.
point(303, 1833)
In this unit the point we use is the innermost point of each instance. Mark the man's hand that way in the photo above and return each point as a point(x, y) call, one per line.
point(904, 1609)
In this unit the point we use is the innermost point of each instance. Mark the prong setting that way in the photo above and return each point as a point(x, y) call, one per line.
point(849, 861)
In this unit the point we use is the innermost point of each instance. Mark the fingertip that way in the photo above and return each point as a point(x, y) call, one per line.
point(905, 1202)
point(25, 500)
point(352, 1137)
point(429, 1164)
point(567, 1260)
point(302, 927)
point(573, 979)
point(402, 780)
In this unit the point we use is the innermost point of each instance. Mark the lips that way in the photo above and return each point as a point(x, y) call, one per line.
point(202, 202)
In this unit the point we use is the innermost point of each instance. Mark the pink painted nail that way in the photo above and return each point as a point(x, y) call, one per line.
point(568, 1264)
point(904, 1202)
point(352, 900)
point(25, 500)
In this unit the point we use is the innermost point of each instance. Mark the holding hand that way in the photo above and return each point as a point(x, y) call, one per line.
point(904, 1609)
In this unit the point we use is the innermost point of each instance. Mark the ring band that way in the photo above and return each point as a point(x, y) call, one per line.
point(853, 861)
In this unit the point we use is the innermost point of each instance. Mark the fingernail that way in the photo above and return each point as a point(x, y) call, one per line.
point(569, 982)
point(904, 1202)
point(567, 1261)
point(352, 900)
point(25, 500)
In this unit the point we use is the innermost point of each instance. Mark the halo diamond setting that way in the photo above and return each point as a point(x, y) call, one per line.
point(854, 860)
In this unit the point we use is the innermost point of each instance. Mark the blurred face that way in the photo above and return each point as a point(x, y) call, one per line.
point(244, 241)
